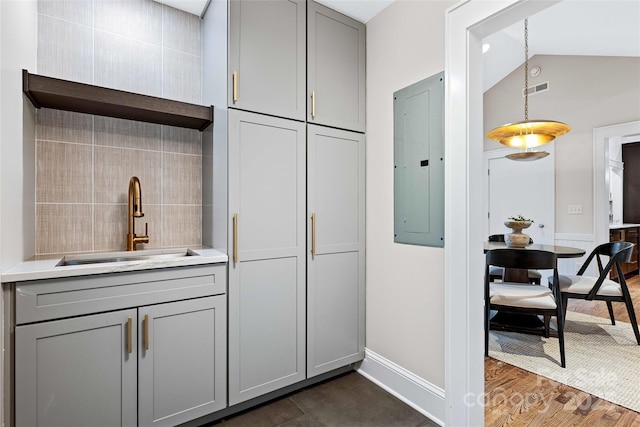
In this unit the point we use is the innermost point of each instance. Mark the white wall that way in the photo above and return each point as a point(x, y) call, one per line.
point(586, 93)
point(17, 136)
point(405, 283)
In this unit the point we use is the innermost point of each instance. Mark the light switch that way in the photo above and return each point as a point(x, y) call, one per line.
point(575, 210)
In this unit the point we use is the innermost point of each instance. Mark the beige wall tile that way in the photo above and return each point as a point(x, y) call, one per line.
point(182, 225)
point(127, 133)
point(63, 228)
point(181, 76)
point(63, 172)
point(181, 140)
point(182, 179)
point(181, 31)
point(111, 227)
point(64, 126)
point(65, 50)
point(136, 19)
point(118, 44)
point(127, 64)
point(114, 167)
point(78, 11)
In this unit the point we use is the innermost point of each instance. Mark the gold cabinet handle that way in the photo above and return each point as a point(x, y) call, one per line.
point(313, 103)
point(146, 332)
point(235, 238)
point(313, 234)
point(129, 335)
point(235, 87)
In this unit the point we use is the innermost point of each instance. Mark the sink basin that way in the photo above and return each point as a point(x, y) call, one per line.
point(150, 255)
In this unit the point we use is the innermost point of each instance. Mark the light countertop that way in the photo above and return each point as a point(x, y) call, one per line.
point(623, 225)
point(48, 268)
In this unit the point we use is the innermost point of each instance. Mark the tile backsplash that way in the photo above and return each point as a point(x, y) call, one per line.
point(84, 162)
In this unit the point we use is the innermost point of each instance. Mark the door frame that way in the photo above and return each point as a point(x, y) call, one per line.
point(466, 24)
point(601, 137)
point(496, 154)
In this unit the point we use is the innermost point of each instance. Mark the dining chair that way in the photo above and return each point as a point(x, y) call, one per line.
point(523, 298)
point(497, 273)
point(601, 288)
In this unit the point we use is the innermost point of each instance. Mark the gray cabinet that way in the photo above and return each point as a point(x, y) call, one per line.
point(335, 257)
point(77, 372)
point(267, 57)
point(181, 361)
point(159, 364)
point(335, 69)
point(267, 242)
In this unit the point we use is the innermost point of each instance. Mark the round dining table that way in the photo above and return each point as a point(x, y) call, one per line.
point(560, 251)
point(526, 323)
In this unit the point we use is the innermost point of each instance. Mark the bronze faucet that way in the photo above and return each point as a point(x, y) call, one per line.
point(135, 211)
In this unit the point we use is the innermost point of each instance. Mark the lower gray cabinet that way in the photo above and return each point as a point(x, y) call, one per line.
point(77, 372)
point(155, 365)
point(181, 363)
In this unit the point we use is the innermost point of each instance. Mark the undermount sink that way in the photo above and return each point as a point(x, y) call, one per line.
point(149, 255)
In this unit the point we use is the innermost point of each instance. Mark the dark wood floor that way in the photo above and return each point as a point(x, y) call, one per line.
point(519, 398)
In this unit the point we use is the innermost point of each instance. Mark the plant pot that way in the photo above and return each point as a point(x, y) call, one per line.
point(517, 239)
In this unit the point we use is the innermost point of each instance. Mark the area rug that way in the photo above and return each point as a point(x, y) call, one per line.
point(602, 359)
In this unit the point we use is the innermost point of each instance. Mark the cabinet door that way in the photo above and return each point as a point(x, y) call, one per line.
point(77, 372)
point(335, 69)
point(267, 241)
point(182, 360)
point(267, 57)
point(335, 260)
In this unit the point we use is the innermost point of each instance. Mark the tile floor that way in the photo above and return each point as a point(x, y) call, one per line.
point(347, 401)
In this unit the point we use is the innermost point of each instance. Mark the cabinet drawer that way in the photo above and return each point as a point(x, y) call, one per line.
point(39, 300)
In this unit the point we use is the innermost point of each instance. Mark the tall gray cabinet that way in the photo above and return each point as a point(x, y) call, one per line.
point(292, 314)
point(267, 248)
point(335, 260)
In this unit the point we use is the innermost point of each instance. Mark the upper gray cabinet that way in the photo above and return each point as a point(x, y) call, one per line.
point(335, 69)
point(267, 57)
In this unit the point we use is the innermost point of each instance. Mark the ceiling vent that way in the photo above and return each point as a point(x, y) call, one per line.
point(542, 87)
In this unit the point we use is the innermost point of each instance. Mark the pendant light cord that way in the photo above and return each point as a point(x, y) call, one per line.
point(526, 70)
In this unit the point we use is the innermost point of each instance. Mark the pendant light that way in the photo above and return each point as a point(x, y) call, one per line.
point(528, 134)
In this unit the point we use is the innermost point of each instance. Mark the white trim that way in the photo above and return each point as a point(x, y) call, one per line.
point(601, 138)
point(466, 24)
point(421, 395)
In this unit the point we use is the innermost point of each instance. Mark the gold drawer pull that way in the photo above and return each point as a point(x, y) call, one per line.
point(313, 103)
point(146, 332)
point(235, 87)
point(235, 238)
point(129, 335)
point(313, 235)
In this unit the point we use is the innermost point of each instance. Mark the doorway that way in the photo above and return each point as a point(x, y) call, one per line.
point(466, 24)
point(601, 172)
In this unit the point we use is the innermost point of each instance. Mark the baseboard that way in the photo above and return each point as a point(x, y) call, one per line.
point(421, 395)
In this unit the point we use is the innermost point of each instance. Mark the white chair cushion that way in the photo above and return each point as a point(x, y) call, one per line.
point(521, 295)
point(584, 284)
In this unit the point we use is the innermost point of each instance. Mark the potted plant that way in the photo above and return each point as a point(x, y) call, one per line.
point(517, 239)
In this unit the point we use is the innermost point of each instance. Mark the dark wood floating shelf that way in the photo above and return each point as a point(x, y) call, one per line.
point(66, 95)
